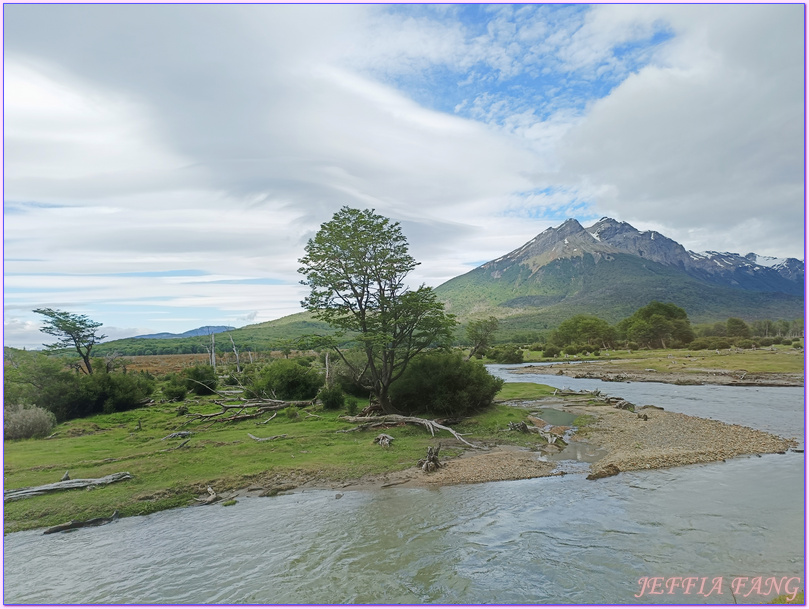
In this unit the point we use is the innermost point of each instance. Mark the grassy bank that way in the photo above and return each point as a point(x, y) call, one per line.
point(776, 359)
point(220, 455)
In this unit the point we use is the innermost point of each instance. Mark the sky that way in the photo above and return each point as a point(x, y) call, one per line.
point(165, 165)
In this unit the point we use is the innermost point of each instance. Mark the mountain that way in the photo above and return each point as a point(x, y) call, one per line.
point(203, 331)
point(750, 272)
point(611, 269)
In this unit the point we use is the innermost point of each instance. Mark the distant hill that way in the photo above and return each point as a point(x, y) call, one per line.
point(265, 336)
point(203, 331)
point(611, 269)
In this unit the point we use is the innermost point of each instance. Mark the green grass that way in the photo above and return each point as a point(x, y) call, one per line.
point(523, 391)
point(221, 455)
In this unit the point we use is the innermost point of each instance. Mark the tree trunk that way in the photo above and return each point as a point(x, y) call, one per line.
point(385, 403)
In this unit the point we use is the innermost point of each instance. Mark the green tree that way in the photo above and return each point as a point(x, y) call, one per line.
point(286, 379)
point(584, 329)
point(736, 327)
point(656, 324)
point(444, 384)
point(356, 266)
point(77, 331)
point(480, 333)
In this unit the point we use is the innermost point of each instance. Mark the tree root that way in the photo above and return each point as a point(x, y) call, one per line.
point(431, 426)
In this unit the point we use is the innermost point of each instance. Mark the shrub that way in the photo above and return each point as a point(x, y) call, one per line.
point(113, 392)
point(352, 406)
point(765, 342)
point(786, 341)
point(332, 398)
point(506, 354)
point(551, 351)
point(444, 384)
point(285, 379)
point(292, 413)
point(21, 422)
point(200, 379)
point(699, 344)
point(632, 346)
point(743, 343)
point(797, 345)
point(175, 392)
point(571, 349)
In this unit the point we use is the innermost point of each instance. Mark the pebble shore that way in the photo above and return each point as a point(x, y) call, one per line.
point(669, 439)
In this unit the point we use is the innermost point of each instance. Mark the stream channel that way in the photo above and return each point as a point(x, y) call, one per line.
point(541, 541)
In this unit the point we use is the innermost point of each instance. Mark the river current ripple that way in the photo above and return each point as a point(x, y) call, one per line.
point(547, 540)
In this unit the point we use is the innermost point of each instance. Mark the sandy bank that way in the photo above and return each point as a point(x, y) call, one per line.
point(663, 439)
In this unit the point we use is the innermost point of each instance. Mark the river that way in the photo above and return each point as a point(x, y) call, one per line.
point(541, 541)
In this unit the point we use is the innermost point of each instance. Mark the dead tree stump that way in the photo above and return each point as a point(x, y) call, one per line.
point(431, 463)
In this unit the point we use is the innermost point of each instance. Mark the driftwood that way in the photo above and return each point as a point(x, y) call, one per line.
point(33, 491)
point(267, 439)
point(212, 496)
point(177, 434)
point(78, 524)
point(430, 463)
point(255, 409)
point(383, 439)
point(396, 418)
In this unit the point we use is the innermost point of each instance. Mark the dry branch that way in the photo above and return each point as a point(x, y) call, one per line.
point(396, 418)
point(33, 491)
point(267, 439)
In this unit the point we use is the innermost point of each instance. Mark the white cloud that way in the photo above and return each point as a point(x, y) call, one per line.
point(710, 137)
point(223, 143)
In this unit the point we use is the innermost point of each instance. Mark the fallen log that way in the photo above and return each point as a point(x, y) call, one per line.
point(177, 434)
point(33, 491)
point(261, 407)
point(267, 439)
point(78, 524)
point(397, 418)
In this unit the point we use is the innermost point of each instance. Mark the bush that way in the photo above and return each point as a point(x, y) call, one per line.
point(551, 351)
point(743, 343)
point(113, 392)
point(175, 392)
point(21, 422)
point(765, 342)
point(571, 349)
point(332, 398)
point(786, 341)
point(797, 344)
point(352, 406)
point(443, 384)
point(292, 413)
point(506, 354)
point(200, 379)
point(632, 346)
point(285, 379)
point(699, 344)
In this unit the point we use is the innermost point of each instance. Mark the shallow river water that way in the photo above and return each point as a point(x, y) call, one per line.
point(547, 540)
